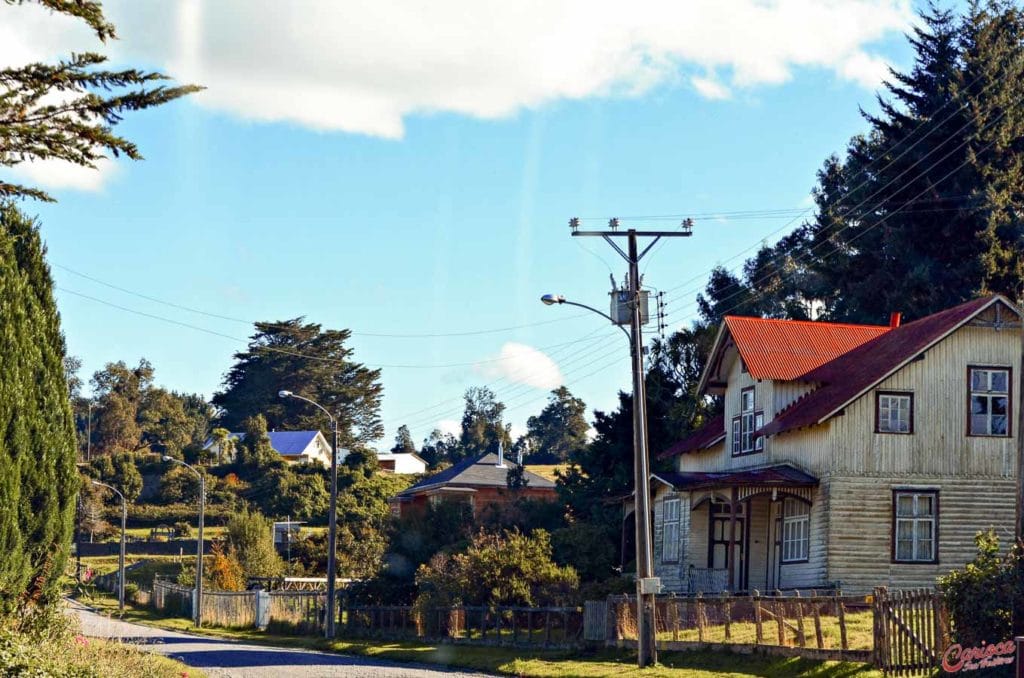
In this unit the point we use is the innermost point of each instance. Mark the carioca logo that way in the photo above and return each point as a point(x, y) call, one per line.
point(958, 658)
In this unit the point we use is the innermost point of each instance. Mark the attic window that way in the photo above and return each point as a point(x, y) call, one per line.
point(745, 424)
point(894, 412)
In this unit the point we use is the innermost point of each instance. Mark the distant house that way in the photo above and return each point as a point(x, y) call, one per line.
point(480, 482)
point(404, 462)
point(847, 455)
point(296, 447)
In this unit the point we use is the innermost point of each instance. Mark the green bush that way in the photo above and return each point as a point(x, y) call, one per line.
point(182, 530)
point(151, 515)
point(497, 569)
point(982, 596)
point(131, 592)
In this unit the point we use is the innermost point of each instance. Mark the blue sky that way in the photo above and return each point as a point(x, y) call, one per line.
point(431, 209)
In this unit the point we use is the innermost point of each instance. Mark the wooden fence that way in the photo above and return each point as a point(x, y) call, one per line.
point(911, 631)
point(813, 625)
point(479, 625)
point(171, 599)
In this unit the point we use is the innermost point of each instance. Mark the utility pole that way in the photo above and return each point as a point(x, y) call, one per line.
point(647, 584)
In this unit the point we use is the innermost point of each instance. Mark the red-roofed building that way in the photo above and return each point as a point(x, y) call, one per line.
point(846, 455)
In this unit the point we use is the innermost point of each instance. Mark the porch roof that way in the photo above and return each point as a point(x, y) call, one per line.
point(778, 475)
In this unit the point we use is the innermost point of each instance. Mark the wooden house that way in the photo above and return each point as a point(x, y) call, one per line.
point(846, 455)
point(479, 481)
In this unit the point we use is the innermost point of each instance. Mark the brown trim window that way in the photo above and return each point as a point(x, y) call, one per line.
point(894, 412)
point(745, 424)
point(989, 401)
point(915, 526)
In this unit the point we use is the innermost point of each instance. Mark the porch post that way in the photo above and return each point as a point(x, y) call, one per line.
point(731, 553)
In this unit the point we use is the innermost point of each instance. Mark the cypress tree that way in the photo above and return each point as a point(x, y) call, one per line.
point(38, 482)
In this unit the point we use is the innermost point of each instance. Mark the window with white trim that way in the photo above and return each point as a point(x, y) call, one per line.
point(670, 530)
point(796, 530)
point(914, 526)
point(745, 424)
point(989, 401)
point(895, 413)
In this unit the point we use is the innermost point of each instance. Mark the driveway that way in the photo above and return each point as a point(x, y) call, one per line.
point(238, 660)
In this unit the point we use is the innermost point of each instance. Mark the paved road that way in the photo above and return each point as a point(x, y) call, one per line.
point(237, 660)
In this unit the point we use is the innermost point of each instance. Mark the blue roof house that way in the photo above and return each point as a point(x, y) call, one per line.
point(297, 447)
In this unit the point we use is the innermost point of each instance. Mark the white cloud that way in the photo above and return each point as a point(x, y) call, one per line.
point(365, 66)
point(710, 88)
point(517, 432)
point(54, 174)
point(522, 364)
point(450, 426)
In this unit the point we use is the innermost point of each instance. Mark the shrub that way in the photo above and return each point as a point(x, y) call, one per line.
point(131, 592)
point(981, 597)
point(497, 569)
point(182, 530)
point(251, 537)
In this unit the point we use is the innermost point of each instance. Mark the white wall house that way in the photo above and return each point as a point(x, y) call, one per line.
point(847, 455)
point(405, 462)
point(296, 447)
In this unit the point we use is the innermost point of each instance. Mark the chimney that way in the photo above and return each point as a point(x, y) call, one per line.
point(501, 456)
point(519, 456)
point(894, 319)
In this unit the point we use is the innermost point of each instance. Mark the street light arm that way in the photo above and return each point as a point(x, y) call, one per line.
point(314, 404)
point(602, 314)
point(186, 465)
point(109, 487)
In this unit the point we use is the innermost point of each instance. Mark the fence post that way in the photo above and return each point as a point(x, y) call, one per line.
point(816, 607)
point(841, 612)
point(700, 617)
point(262, 603)
point(800, 621)
point(780, 616)
point(758, 628)
point(728, 618)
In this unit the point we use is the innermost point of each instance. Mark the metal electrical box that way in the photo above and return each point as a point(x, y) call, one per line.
point(621, 312)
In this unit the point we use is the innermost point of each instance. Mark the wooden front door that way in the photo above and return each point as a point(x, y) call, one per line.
point(718, 543)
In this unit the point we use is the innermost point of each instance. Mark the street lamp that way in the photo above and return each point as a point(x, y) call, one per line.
point(332, 518)
point(647, 585)
point(120, 558)
point(197, 613)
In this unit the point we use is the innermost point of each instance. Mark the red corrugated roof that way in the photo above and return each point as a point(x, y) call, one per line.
point(844, 378)
point(788, 349)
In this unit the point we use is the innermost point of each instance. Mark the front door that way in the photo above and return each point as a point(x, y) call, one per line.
point(718, 544)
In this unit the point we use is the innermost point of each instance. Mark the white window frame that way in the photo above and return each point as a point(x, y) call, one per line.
point(984, 392)
point(671, 518)
point(796, 531)
point(919, 523)
point(891, 405)
point(745, 424)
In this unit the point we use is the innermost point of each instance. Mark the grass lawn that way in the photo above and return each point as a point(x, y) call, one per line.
point(859, 631)
point(168, 566)
point(527, 663)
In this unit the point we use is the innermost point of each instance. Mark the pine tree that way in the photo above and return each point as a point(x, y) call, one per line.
point(403, 441)
point(38, 481)
point(67, 111)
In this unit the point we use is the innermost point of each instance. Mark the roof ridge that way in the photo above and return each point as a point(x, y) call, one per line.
point(819, 323)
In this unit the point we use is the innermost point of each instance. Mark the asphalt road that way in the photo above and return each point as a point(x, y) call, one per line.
point(238, 660)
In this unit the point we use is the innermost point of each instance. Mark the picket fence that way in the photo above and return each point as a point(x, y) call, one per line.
point(813, 625)
point(909, 630)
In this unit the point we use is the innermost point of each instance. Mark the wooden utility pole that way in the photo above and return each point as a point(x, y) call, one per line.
point(647, 584)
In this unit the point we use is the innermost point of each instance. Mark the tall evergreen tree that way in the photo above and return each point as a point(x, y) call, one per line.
point(67, 111)
point(924, 211)
point(558, 429)
point(38, 481)
point(483, 428)
point(403, 441)
point(312, 362)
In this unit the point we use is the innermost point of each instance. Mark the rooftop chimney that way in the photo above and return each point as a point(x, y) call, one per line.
point(894, 319)
point(501, 456)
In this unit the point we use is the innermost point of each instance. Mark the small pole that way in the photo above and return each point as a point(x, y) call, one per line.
point(120, 558)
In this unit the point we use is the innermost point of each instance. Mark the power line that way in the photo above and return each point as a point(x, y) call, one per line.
point(296, 354)
point(244, 321)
